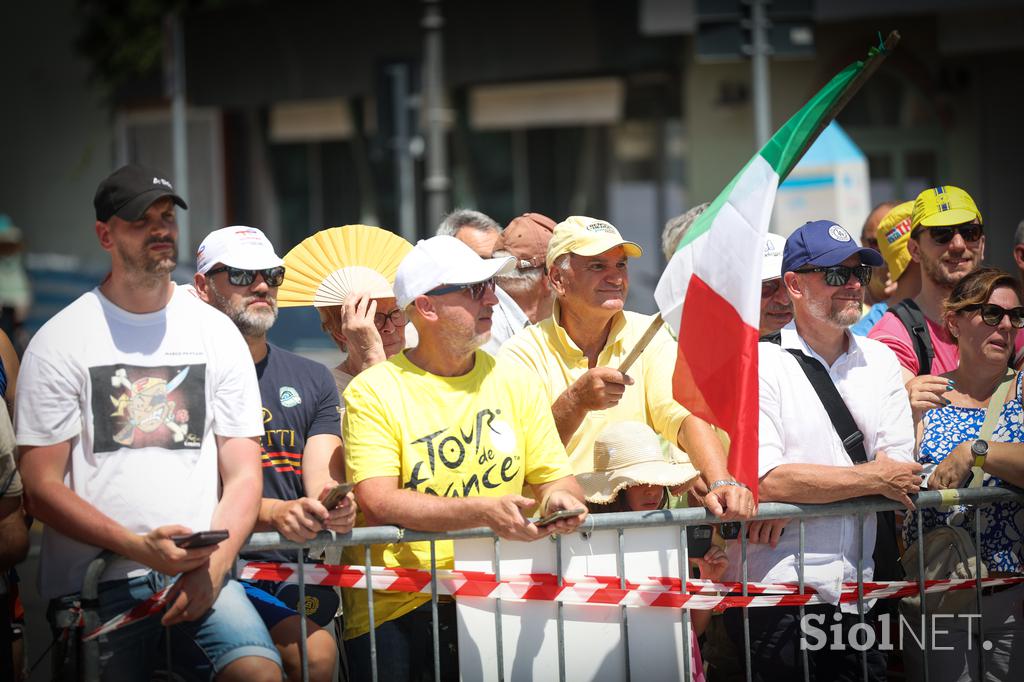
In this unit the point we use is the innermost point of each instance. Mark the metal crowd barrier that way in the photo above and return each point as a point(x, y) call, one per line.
point(860, 507)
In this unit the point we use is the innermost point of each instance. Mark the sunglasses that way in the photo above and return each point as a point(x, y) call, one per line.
point(397, 317)
point(839, 275)
point(971, 232)
point(243, 278)
point(992, 314)
point(476, 291)
point(769, 288)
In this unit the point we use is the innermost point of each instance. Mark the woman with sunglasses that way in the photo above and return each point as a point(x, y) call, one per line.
point(983, 315)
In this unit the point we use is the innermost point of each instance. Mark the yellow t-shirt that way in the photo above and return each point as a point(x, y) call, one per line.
point(547, 351)
point(485, 433)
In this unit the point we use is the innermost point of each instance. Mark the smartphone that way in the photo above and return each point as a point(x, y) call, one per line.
point(336, 494)
point(561, 514)
point(698, 540)
point(729, 530)
point(203, 538)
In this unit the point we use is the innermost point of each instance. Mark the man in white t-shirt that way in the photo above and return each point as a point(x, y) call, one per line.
point(139, 420)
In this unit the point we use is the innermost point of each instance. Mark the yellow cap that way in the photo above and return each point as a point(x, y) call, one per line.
point(587, 237)
point(944, 205)
point(893, 235)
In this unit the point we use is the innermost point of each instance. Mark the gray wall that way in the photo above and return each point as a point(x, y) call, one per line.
point(55, 130)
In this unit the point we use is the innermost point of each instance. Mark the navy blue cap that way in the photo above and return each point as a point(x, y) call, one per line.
point(823, 243)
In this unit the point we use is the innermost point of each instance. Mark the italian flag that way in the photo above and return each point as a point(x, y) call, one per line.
point(710, 293)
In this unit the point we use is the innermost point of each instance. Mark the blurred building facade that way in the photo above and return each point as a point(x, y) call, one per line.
point(597, 107)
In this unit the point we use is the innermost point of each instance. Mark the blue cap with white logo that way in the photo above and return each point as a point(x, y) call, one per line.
point(823, 243)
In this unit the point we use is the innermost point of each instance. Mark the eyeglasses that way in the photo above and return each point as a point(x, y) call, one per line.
point(992, 314)
point(971, 232)
point(770, 287)
point(476, 290)
point(397, 317)
point(243, 278)
point(839, 275)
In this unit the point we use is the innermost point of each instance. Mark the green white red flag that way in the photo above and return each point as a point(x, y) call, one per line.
point(709, 294)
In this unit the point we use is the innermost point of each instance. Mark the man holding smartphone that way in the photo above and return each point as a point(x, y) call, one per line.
point(442, 437)
point(138, 421)
point(238, 273)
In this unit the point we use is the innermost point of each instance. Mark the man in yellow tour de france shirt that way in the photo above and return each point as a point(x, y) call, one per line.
point(438, 438)
point(576, 353)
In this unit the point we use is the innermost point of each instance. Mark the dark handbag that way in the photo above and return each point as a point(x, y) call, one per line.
point(886, 555)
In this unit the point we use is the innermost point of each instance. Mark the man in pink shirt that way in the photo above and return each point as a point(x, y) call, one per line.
point(948, 241)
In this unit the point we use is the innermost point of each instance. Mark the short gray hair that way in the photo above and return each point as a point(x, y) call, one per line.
point(1018, 236)
point(518, 280)
point(467, 217)
point(677, 227)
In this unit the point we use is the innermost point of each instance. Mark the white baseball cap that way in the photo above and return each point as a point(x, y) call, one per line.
point(443, 260)
point(237, 246)
point(771, 268)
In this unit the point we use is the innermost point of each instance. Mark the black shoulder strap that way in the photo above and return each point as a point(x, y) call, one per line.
point(907, 312)
point(838, 412)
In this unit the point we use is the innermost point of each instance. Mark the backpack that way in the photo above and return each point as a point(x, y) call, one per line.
point(907, 312)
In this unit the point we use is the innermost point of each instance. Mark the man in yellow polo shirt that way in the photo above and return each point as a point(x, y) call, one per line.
point(577, 350)
point(442, 438)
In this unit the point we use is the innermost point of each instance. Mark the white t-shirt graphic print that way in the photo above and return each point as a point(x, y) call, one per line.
point(140, 397)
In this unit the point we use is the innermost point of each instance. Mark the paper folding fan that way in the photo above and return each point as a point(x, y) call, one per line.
point(326, 267)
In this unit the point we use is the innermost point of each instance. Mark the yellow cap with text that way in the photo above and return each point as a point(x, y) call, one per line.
point(587, 237)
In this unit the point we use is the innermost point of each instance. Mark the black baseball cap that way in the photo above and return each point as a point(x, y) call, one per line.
point(129, 191)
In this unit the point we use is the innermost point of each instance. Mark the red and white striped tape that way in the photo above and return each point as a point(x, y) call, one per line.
point(155, 604)
point(656, 591)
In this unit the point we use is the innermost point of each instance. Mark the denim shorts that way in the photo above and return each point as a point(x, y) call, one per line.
point(199, 649)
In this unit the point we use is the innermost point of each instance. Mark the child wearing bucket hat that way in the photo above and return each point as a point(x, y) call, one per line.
point(631, 473)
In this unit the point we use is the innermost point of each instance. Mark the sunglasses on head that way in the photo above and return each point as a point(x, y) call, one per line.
point(476, 290)
point(992, 314)
point(971, 232)
point(397, 317)
point(839, 275)
point(243, 278)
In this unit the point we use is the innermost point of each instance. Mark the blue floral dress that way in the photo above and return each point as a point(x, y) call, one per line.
point(1002, 523)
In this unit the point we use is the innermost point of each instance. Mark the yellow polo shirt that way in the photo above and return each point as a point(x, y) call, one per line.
point(547, 350)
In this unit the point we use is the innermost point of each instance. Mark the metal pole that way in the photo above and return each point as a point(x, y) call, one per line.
point(404, 169)
point(436, 182)
point(179, 130)
point(759, 64)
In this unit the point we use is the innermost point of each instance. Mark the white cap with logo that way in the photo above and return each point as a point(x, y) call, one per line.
point(771, 267)
point(443, 260)
point(237, 246)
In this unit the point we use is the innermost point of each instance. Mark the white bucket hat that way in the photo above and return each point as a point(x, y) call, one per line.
point(627, 454)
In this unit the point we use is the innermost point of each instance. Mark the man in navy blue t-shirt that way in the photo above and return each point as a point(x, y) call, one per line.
point(238, 273)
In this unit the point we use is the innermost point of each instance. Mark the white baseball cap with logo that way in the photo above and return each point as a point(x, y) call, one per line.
point(443, 260)
point(771, 267)
point(238, 246)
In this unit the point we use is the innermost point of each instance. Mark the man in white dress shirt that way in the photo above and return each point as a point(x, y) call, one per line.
point(803, 460)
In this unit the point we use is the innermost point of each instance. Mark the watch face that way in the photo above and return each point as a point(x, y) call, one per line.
point(979, 448)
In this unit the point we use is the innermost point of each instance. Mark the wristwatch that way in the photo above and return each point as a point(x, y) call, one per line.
point(721, 482)
point(979, 450)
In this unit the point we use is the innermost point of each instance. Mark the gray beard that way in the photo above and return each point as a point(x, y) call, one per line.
point(250, 324)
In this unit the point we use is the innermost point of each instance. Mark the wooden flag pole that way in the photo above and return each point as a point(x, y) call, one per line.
point(641, 344)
